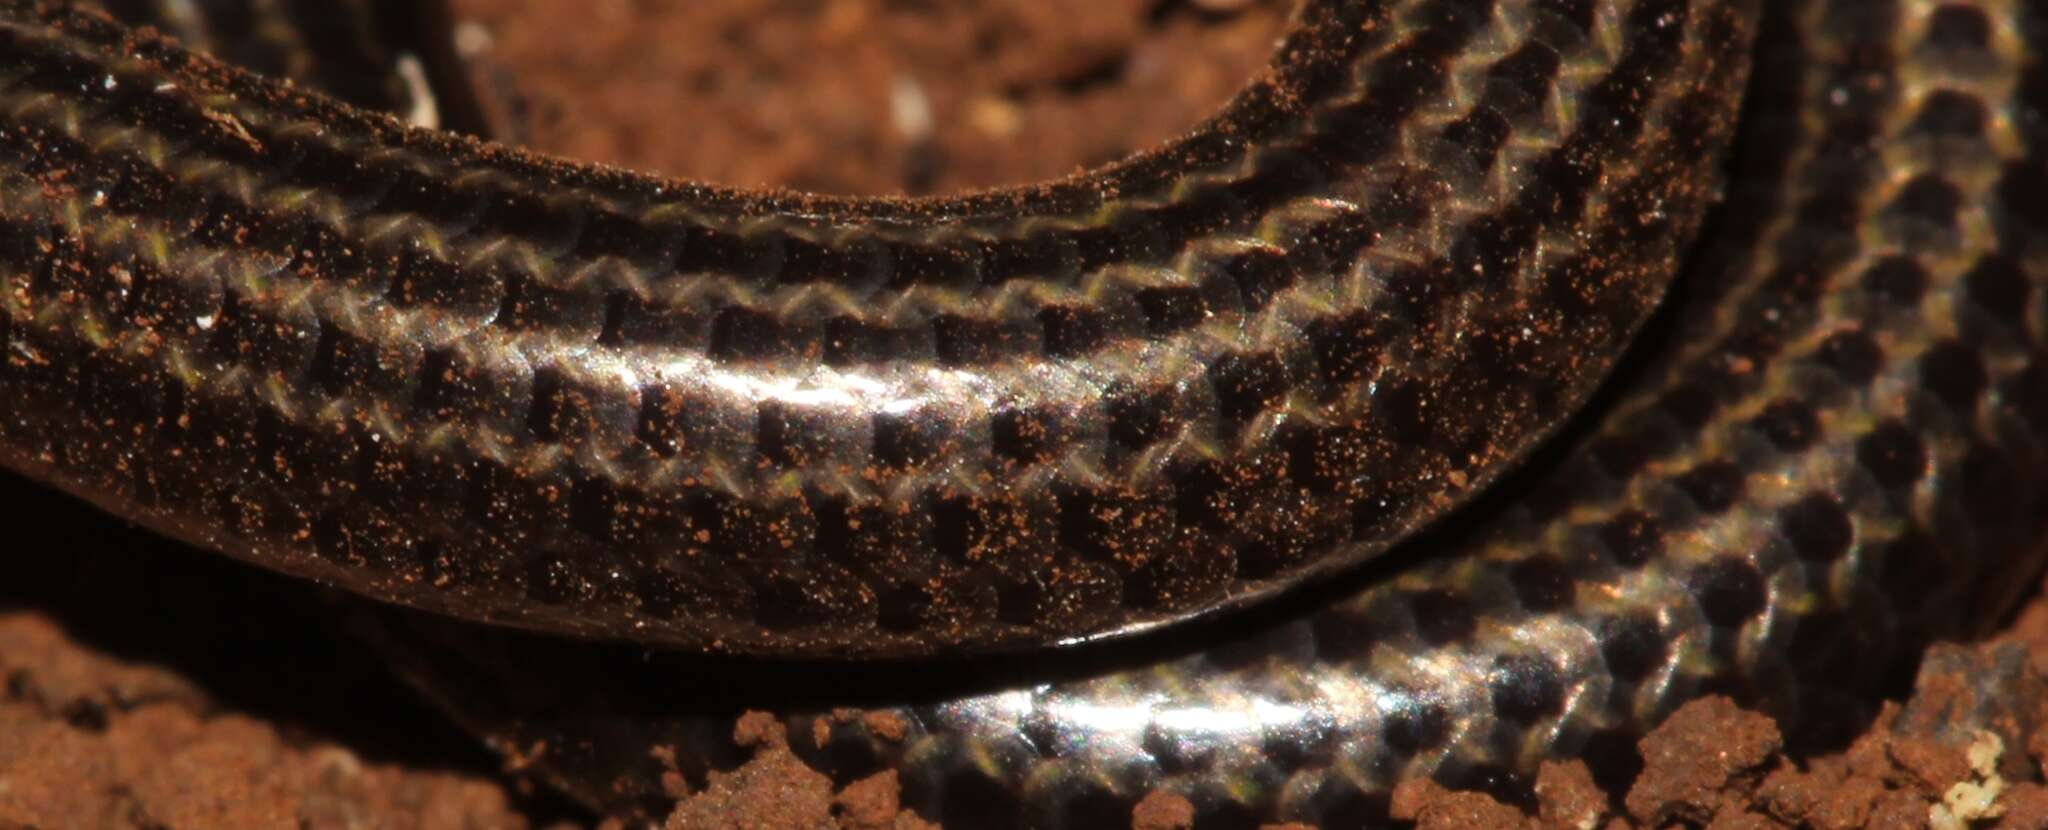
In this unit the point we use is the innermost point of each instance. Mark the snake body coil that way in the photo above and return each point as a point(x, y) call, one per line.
point(520, 391)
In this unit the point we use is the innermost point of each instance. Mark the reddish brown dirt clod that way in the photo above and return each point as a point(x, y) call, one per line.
point(872, 804)
point(1690, 762)
point(1568, 798)
point(774, 791)
point(760, 730)
point(1163, 811)
point(1432, 807)
point(91, 741)
point(887, 726)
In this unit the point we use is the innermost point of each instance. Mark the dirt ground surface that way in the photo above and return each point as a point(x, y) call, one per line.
point(861, 96)
point(145, 686)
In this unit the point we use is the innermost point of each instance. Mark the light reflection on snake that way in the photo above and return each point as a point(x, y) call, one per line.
point(522, 392)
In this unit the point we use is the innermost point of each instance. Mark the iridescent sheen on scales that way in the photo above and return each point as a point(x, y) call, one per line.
point(518, 390)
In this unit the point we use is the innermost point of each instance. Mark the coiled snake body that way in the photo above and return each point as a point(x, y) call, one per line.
point(1246, 376)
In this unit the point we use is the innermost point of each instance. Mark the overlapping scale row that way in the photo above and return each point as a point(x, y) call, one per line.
point(471, 380)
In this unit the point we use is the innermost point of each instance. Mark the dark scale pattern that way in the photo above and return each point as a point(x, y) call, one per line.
point(1768, 507)
point(475, 313)
point(1753, 518)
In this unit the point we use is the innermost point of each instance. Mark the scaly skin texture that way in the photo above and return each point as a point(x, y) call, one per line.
point(343, 48)
point(1830, 452)
point(507, 388)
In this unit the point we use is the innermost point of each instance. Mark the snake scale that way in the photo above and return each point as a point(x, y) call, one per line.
point(1244, 377)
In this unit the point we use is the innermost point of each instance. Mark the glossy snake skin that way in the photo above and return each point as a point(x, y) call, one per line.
point(1370, 286)
point(499, 386)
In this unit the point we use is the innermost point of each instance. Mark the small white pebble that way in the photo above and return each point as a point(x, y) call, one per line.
point(910, 112)
point(1970, 801)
